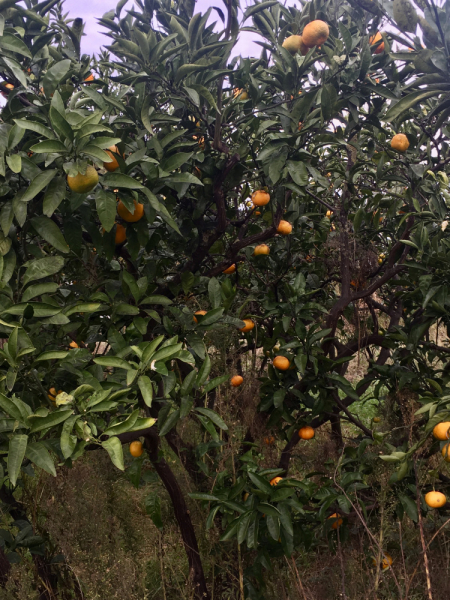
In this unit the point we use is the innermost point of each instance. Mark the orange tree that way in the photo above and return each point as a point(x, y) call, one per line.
point(125, 185)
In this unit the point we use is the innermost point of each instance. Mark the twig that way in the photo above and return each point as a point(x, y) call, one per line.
point(422, 536)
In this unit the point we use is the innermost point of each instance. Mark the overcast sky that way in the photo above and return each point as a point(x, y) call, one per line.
point(91, 10)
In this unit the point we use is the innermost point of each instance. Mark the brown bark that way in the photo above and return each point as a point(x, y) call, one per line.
point(182, 514)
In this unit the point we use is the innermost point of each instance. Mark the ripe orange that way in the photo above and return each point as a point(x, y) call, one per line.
point(400, 142)
point(121, 234)
point(337, 521)
point(374, 39)
point(269, 441)
point(82, 184)
point(315, 33)
point(329, 213)
point(52, 393)
point(386, 561)
point(136, 449)
point(435, 499)
point(230, 269)
point(246, 495)
point(89, 78)
point(284, 227)
point(199, 312)
point(261, 249)
point(113, 165)
point(201, 141)
point(275, 480)
point(300, 125)
point(237, 380)
point(260, 198)
point(281, 363)
point(257, 213)
point(306, 433)
point(73, 345)
point(442, 431)
point(249, 324)
point(127, 216)
point(446, 452)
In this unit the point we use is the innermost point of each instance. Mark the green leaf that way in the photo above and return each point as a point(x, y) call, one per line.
point(410, 507)
point(95, 152)
point(119, 180)
point(166, 352)
point(146, 387)
point(204, 371)
point(408, 102)
point(211, 317)
point(13, 43)
point(54, 75)
point(261, 483)
point(123, 426)
point(62, 127)
point(52, 419)
point(153, 509)
point(36, 127)
point(169, 423)
point(215, 382)
point(38, 184)
point(16, 454)
point(54, 194)
point(14, 163)
point(10, 408)
point(215, 295)
point(68, 442)
point(53, 355)
point(113, 447)
point(50, 232)
point(40, 456)
point(43, 267)
point(49, 146)
point(112, 361)
point(206, 94)
point(298, 172)
point(162, 300)
point(214, 417)
point(105, 203)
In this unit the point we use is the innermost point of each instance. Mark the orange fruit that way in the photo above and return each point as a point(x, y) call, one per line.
point(435, 499)
point(300, 125)
point(269, 441)
point(294, 43)
point(260, 198)
point(306, 433)
point(315, 33)
point(230, 270)
point(329, 213)
point(284, 227)
point(240, 94)
point(136, 449)
point(237, 380)
point(199, 312)
point(121, 234)
point(386, 561)
point(281, 363)
point(89, 78)
point(442, 431)
point(446, 452)
point(73, 345)
point(201, 141)
point(257, 213)
point(261, 249)
point(400, 142)
point(249, 324)
point(127, 216)
point(275, 480)
point(246, 495)
point(82, 184)
point(113, 165)
point(337, 521)
point(374, 39)
point(52, 393)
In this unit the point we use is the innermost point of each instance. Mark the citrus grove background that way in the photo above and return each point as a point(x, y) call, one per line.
point(224, 302)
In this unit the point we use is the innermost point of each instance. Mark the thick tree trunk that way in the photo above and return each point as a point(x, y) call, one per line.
point(182, 515)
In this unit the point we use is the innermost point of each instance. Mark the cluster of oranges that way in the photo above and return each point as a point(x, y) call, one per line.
point(84, 183)
point(314, 34)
